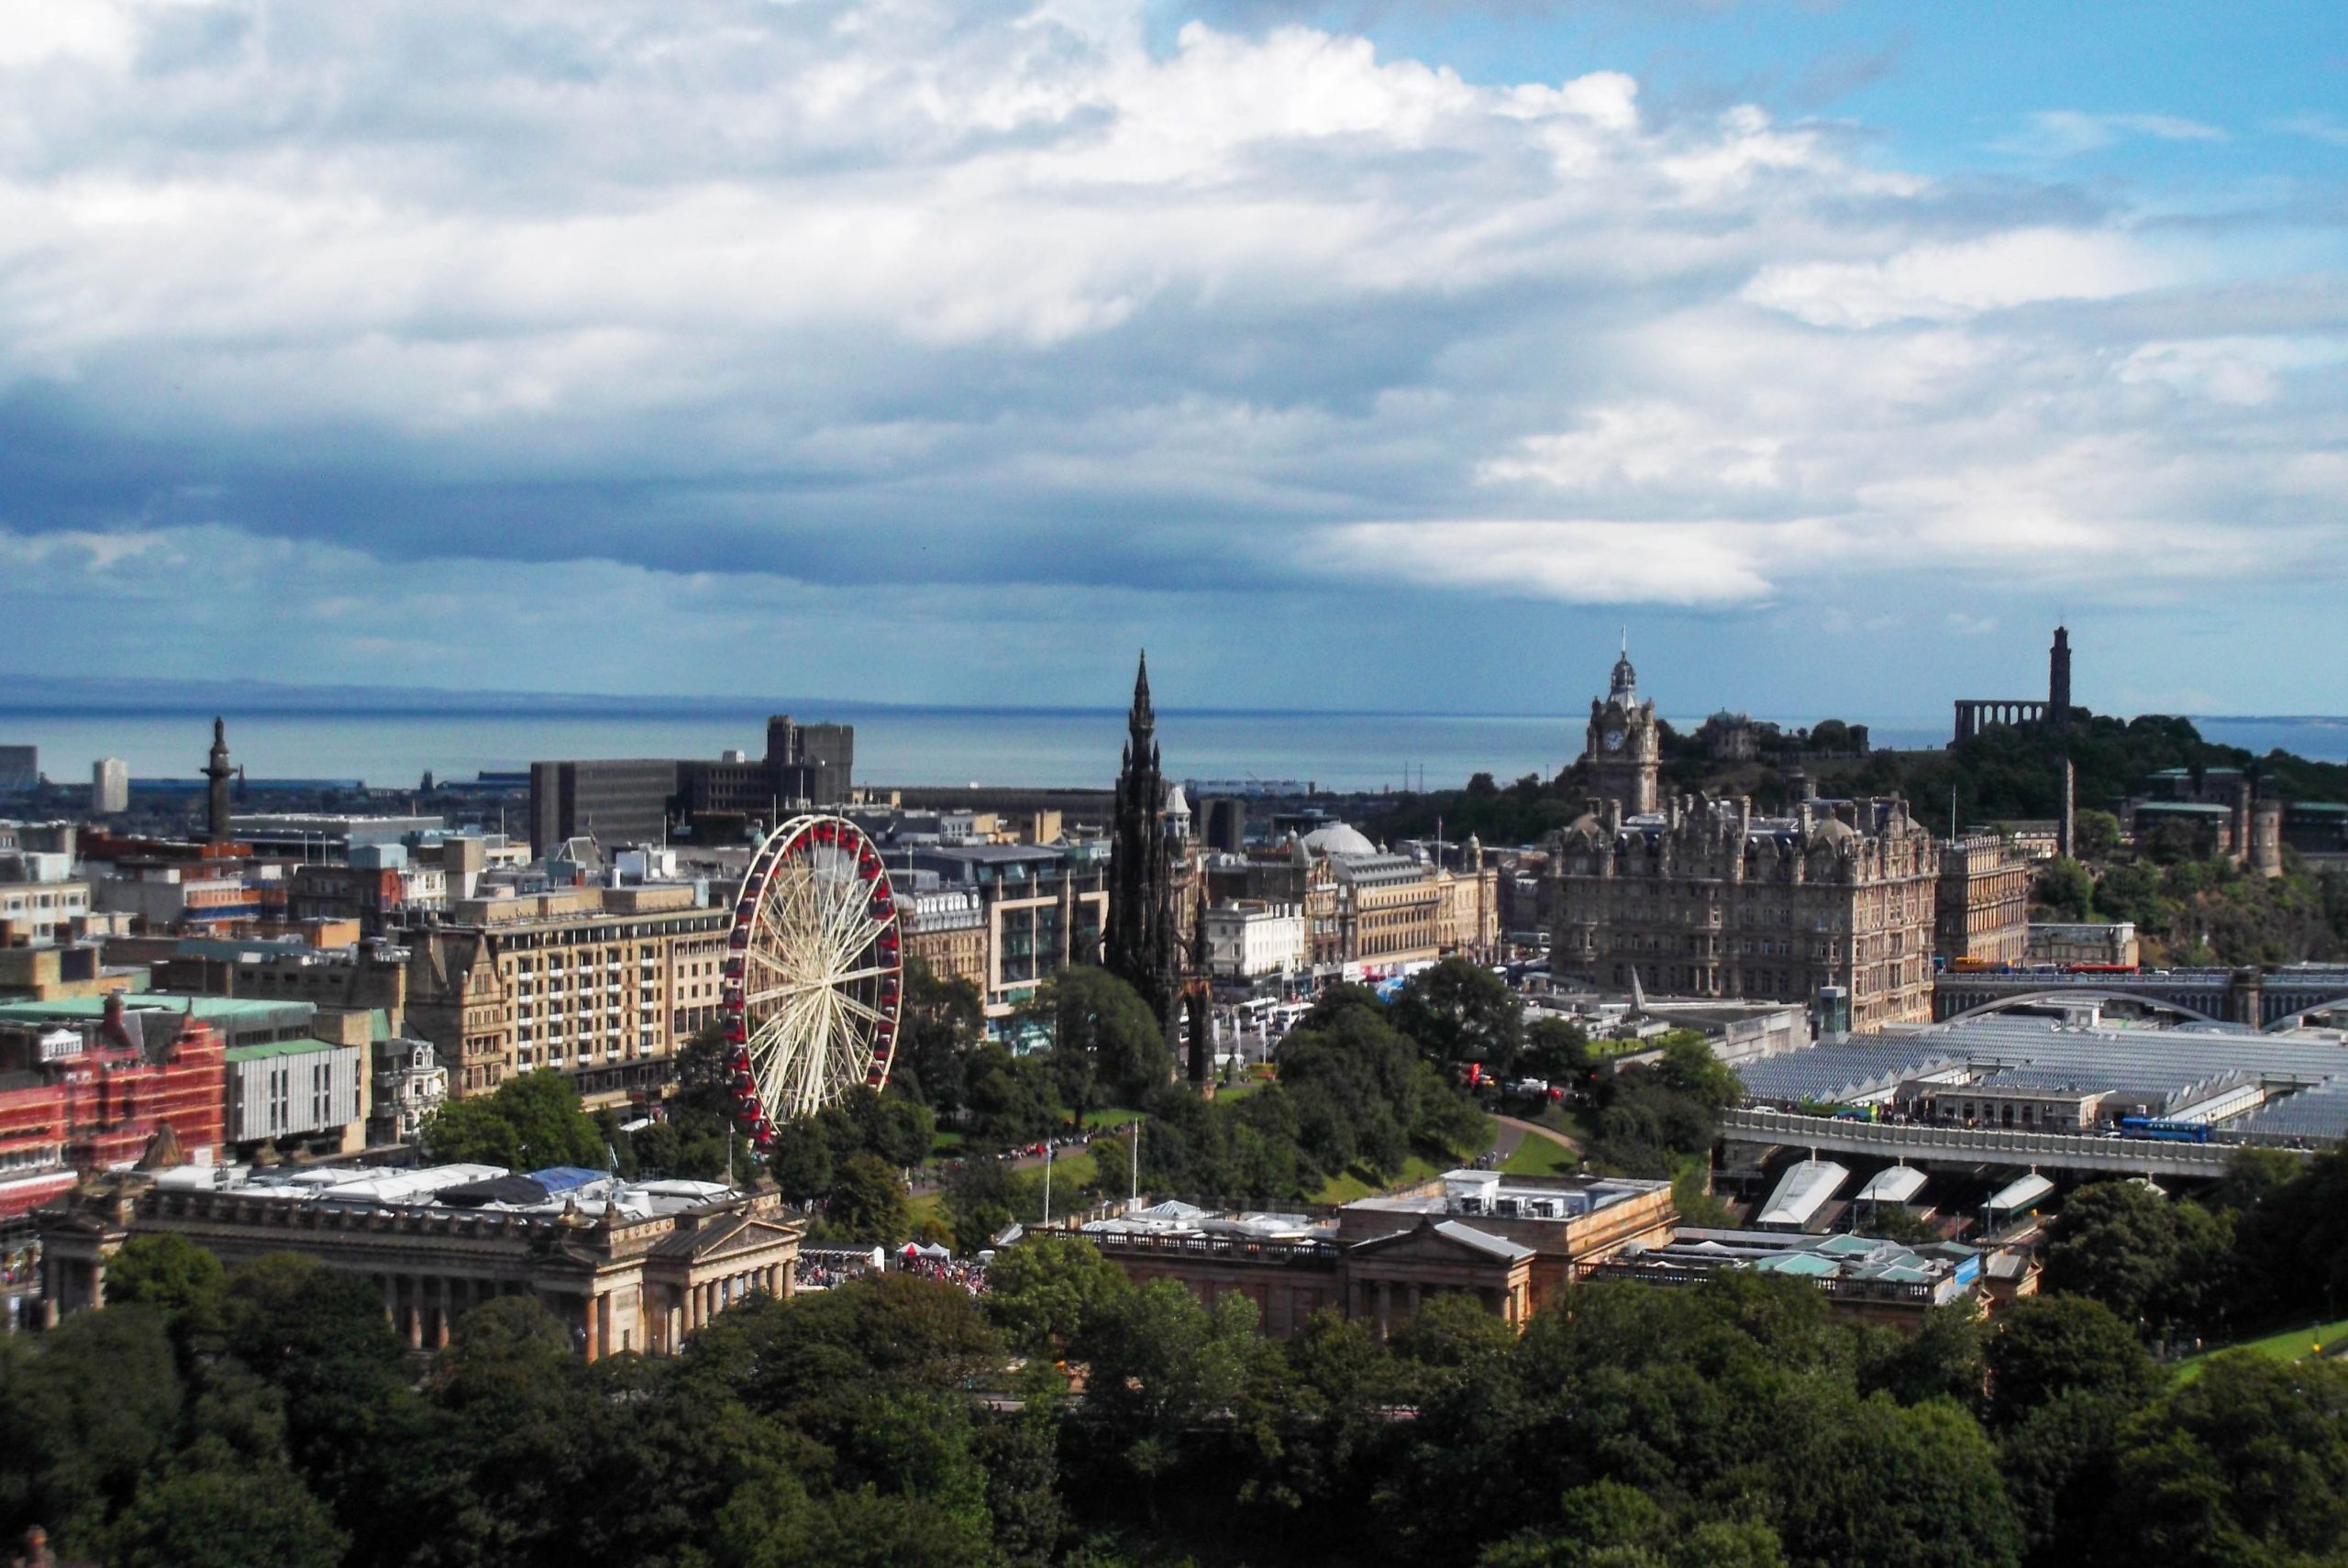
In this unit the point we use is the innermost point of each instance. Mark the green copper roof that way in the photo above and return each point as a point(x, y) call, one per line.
point(206, 1008)
point(282, 1048)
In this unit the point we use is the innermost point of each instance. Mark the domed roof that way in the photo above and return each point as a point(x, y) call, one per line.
point(1338, 838)
point(1586, 827)
point(1833, 830)
point(1625, 686)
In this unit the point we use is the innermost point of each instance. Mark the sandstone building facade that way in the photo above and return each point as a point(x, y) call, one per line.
point(1624, 747)
point(626, 1279)
point(1706, 900)
point(1689, 895)
point(1983, 902)
point(603, 984)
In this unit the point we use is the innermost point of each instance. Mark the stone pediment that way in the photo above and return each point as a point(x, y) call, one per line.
point(1445, 1241)
point(723, 1237)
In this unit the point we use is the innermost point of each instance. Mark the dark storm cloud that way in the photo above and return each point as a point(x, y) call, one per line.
point(756, 314)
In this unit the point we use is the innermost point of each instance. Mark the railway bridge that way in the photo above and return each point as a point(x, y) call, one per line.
point(2272, 997)
point(1923, 1144)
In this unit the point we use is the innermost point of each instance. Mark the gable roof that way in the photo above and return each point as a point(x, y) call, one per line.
point(1446, 1235)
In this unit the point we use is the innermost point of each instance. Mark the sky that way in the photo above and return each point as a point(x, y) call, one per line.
point(1372, 356)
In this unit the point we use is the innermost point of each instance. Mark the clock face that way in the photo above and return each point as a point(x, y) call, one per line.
point(1615, 739)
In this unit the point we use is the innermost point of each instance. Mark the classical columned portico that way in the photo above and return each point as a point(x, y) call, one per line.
point(618, 1282)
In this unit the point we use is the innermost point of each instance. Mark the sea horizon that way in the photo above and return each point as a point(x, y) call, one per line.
point(388, 738)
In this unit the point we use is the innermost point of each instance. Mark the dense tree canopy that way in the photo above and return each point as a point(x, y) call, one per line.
point(1460, 1012)
point(1107, 1046)
point(532, 1122)
point(269, 1415)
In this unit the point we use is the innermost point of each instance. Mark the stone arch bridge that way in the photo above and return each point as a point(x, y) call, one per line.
point(2270, 999)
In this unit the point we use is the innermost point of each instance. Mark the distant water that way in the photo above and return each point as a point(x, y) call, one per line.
point(1075, 747)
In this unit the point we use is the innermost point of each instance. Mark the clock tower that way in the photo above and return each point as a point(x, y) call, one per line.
point(1625, 751)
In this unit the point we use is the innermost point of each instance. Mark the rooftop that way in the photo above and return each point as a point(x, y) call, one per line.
point(301, 1048)
point(1498, 1195)
point(204, 1008)
point(1863, 1267)
point(452, 1190)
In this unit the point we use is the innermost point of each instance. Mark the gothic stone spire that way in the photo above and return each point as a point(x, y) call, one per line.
point(1142, 946)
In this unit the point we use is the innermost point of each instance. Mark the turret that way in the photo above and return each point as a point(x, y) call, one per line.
point(218, 771)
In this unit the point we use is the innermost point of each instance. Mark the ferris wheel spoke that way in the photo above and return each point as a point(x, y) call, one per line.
point(791, 988)
point(850, 1004)
point(807, 985)
point(838, 918)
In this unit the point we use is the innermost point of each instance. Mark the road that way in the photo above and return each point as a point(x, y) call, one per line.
point(1514, 1131)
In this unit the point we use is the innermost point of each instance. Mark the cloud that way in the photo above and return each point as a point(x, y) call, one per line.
point(1953, 281)
point(1571, 561)
point(2325, 129)
point(862, 315)
point(2064, 133)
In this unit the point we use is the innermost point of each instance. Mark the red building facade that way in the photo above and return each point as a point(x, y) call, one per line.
point(74, 1101)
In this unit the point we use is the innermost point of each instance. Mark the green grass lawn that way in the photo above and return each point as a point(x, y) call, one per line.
point(1112, 1117)
point(1538, 1156)
point(1572, 1123)
point(1071, 1171)
point(1357, 1183)
point(947, 1141)
point(2292, 1345)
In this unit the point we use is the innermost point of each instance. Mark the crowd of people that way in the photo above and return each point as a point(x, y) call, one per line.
point(968, 1273)
point(823, 1268)
point(821, 1271)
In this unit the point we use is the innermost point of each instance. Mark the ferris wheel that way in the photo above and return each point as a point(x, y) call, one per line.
point(814, 974)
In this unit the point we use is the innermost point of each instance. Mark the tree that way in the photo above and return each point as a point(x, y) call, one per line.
point(2171, 844)
point(2151, 1259)
point(533, 1120)
point(1648, 1125)
point(1941, 1360)
point(867, 1203)
point(2252, 1173)
point(981, 1197)
point(2095, 835)
point(1689, 1067)
point(1012, 1098)
point(1458, 1012)
point(1053, 1294)
point(1330, 1431)
point(1164, 1366)
point(2132, 893)
point(219, 1518)
point(893, 1126)
point(1889, 1485)
point(2066, 888)
point(1452, 1330)
point(2246, 1463)
point(941, 1021)
point(88, 1409)
point(168, 1273)
point(2057, 1461)
point(1108, 1048)
point(2290, 1256)
point(2044, 1344)
point(800, 1161)
point(1558, 1051)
